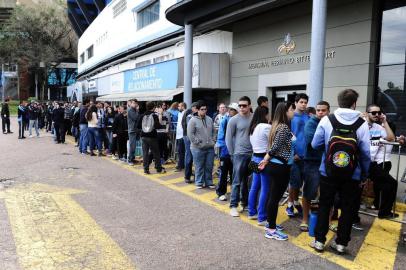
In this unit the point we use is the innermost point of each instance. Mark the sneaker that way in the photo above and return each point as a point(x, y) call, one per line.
point(199, 186)
point(263, 223)
point(130, 163)
point(242, 208)
point(234, 212)
point(30, 136)
point(254, 217)
point(299, 210)
point(211, 186)
point(188, 181)
point(277, 227)
point(123, 159)
point(290, 211)
point(318, 246)
point(275, 234)
point(357, 226)
point(340, 249)
point(114, 157)
point(223, 198)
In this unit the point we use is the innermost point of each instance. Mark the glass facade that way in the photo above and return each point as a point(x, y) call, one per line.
point(391, 69)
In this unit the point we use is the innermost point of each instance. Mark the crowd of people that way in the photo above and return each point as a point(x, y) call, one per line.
point(298, 150)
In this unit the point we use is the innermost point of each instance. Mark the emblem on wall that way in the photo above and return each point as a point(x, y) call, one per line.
point(287, 46)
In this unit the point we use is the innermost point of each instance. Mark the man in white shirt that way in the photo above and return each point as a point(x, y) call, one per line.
point(385, 186)
point(180, 145)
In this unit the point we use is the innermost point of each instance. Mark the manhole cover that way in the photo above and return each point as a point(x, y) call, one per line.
point(70, 168)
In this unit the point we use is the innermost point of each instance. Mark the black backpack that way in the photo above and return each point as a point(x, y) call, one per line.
point(342, 152)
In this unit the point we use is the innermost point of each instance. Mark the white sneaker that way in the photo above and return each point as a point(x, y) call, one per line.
point(234, 212)
point(340, 249)
point(223, 198)
point(318, 246)
point(114, 157)
point(30, 136)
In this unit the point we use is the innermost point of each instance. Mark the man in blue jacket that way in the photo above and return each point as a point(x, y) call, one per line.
point(312, 160)
point(297, 171)
point(347, 188)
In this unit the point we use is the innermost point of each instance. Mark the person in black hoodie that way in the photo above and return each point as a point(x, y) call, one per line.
point(5, 117)
point(148, 123)
point(34, 115)
point(120, 132)
point(59, 123)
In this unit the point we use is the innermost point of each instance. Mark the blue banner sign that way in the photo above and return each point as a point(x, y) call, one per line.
point(161, 76)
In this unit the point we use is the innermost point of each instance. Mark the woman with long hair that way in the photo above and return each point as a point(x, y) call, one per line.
point(93, 131)
point(259, 135)
point(278, 158)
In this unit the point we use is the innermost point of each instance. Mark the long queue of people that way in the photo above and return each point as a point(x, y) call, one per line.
point(299, 150)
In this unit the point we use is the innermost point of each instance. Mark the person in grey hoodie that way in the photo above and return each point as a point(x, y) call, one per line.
point(240, 149)
point(348, 188)
point(200, 132)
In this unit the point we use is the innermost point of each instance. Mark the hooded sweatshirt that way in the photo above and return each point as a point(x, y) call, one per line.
point(322, 136)
point(201, 132)
point(297, 126)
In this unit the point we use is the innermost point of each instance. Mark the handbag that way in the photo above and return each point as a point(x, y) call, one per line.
point(253, 166)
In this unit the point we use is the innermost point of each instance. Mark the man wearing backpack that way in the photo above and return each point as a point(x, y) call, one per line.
point(148, 124)
point(345, 164)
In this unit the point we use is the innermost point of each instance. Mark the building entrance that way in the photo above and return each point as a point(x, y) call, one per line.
point(285, 93)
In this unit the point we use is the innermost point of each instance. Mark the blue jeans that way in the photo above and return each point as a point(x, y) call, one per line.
point(204, 161)
point(94, 139)
point(260, 184)
point(188, 158)
point(311, 179)
point(132, 138)
point(34, 123)
point(239, 187)
point(83, 141)
point(296, 174)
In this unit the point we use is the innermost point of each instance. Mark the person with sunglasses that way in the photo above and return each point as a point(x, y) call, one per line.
point(200, 132)
point(240, 149)
point(385, 186)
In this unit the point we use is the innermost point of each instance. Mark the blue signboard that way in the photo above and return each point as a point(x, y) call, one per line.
point(162, 76)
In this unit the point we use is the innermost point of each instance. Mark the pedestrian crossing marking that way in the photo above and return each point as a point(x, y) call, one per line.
point(53, 232)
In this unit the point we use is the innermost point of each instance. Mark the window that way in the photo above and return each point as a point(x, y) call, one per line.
point(90, 52)
point(148, 15)
point(82, 58)
point(391, 70)
point(143, 63)
point(119, 8)
point(163, 58)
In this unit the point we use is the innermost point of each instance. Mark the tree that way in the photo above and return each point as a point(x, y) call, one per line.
point(39, 36)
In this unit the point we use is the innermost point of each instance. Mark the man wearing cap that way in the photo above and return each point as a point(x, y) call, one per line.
point(226, 165)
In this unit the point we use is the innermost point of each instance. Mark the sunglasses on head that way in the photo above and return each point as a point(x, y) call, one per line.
point(375, 113)
point(242, 105)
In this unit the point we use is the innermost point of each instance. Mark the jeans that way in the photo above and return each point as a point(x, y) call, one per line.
point(94, 139)
point(348, 193)
point(279, 179)
point(34, 123)
point(260, 184)
point(297, 175)
point(132, 137)
point(75, 133)
point(204, 161)
point(239, 187)
point(385, 187)
point(60, 132)
point(180, 149)
point(226, 169)
point(21, 127)
point(311, 179)
point(109, 134)
point(5, 122)
point(188, 158)
point(84, 140)
point(151, 144)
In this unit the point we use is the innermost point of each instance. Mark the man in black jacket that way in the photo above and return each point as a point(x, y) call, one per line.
point(132, 119)
point(59, 122)
point(5, 117)
point(148, 124)
point(33, 115)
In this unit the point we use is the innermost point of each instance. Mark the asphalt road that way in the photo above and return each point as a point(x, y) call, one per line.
point(63, 210)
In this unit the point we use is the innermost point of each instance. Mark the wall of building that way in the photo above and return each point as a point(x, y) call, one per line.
point(350, 45)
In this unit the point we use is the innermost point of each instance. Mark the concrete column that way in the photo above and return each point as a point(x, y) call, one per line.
point(317, 53)
point(188, 65)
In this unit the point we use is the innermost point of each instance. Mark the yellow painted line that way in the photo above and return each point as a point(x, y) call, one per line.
point(53, 232)
point(209, 196)
point(380, 245)
point(187, 188)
